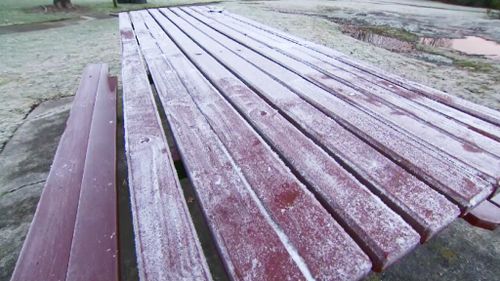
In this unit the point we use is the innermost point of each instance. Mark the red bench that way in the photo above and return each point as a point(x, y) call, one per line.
point(73, 235)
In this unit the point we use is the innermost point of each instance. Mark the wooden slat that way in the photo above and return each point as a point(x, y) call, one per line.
point(472, 148)
point(485, 215)
point(322, 72)
point(251, 245)
point(308, 56)
point(467, 190)
point(46, 250)
point(335, 185)
point(167, 245)
point(328, 252)
point(94, 250)
point(395, 186)
point(473, 109)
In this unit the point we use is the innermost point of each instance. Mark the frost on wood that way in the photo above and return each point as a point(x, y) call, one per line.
point(319, 239)
point(166, 242)
point(439, 169)
point(262, 119)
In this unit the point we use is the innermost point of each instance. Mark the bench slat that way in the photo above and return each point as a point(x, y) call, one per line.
point(308, 55)
point(399, 189)
point(166, 241)
point(400, 117)
point(94, 250)
point(51, 231)
point(485, 215)
point(467, 190)
point(402, 109)
point(243, 233)
point(473, 109)
point(321, 242)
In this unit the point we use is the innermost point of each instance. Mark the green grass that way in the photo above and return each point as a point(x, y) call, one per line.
point(460, 60)
point(397, 33)
point(473, 65)
point(22, 11)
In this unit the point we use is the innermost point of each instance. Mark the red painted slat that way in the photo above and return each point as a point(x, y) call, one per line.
point(94, 250)
point(322, 73)
point(46, 250)
point(473, 148)
point(445, 175)
point(327, 250)
point(485, 215)
point(425, 209)
point(252, 246)
point(335, 185)
point(308, 55)
point(167, 245)
point(479, 111)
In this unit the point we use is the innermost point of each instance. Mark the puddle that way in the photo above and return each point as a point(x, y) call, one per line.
point(470, 45)
point(382, 41)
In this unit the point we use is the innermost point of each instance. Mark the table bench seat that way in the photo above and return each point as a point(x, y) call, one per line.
point(73, 235)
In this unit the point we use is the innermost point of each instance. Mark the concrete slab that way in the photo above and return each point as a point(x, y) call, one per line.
point(25, 163)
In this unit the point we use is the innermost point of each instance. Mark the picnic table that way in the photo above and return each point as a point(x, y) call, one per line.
point(307, 164)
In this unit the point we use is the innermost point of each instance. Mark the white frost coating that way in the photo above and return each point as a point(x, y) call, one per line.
point(282, 236)
point(160, 215)
point(323, 100)
point(447, 104)
point(408, 124)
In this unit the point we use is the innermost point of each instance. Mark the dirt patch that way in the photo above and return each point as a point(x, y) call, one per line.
point(387, 42)
point(55, 9)
point(49, 24)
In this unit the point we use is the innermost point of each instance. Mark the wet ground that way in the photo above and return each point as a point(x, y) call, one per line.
point(50, 24)
point(469, 45)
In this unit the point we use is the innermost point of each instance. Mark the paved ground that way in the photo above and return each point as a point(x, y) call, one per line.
point(37, 80)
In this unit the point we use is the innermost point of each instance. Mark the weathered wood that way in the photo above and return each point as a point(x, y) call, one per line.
point(473, 109)
point(46, 250)
point(427, 127)
point(94, 249)
point(425, 209)
point(374, 93)
point(314, 58)
point(464, 190)
point(252, 246)
point(334, 185)
point(259, 119)
point(485, 215)
point(328, 252)
point(167, 245)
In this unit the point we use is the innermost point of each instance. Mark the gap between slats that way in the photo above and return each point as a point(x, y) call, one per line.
point(397, 161)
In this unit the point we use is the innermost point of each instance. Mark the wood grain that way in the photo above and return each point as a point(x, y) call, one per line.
point(94, 249)
point(46, 250)
point(167, 245)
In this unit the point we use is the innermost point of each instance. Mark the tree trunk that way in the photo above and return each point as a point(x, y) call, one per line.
point(63, 4)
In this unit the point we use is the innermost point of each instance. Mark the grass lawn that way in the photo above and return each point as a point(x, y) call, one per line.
point(46, 64)
point(30, 11)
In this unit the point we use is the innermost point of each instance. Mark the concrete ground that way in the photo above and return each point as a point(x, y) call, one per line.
point(39, 73)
